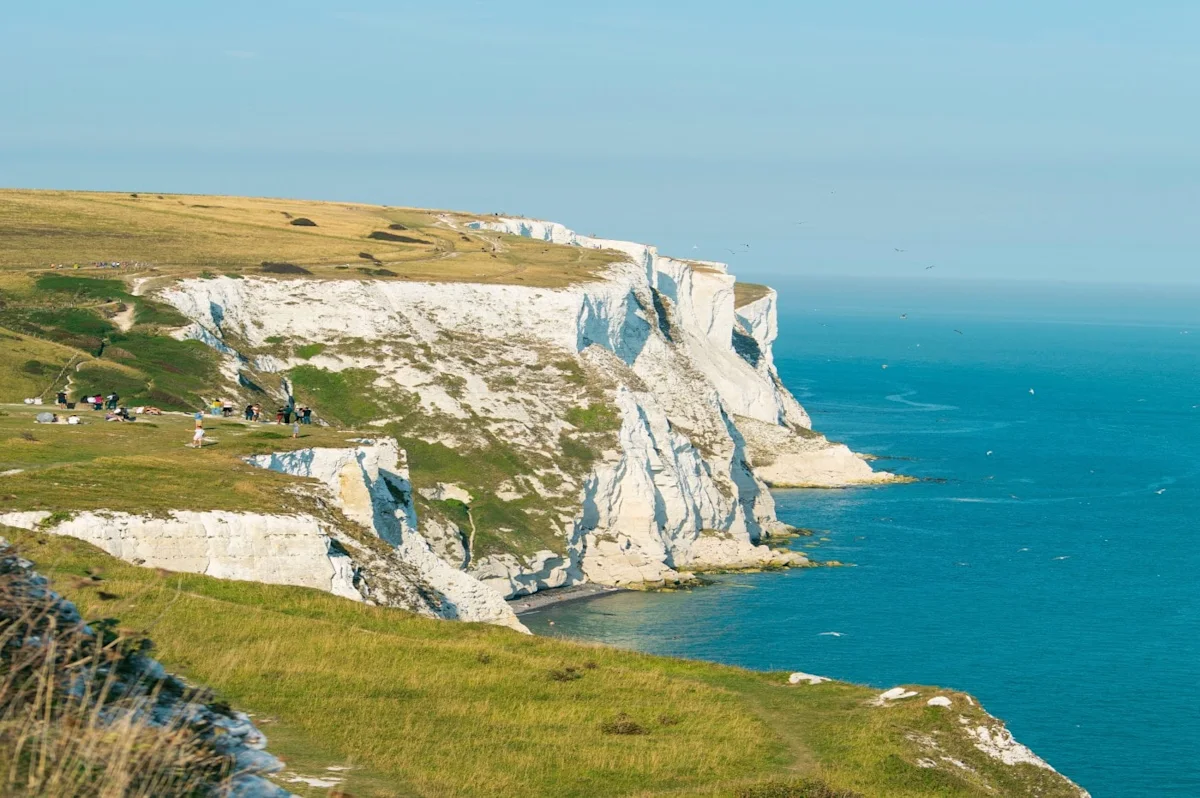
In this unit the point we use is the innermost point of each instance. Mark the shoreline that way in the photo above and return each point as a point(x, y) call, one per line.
point(533, 602)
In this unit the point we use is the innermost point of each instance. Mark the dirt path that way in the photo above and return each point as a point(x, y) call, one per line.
point(124, 319)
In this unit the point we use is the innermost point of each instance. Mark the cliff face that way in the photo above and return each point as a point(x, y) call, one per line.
point(620, 430)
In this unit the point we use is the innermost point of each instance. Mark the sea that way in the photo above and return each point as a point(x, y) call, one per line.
point(1047, 562)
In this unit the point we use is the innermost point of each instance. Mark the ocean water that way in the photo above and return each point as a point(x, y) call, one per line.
point(1049, 564)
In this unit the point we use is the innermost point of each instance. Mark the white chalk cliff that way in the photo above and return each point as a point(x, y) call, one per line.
point(701, 424)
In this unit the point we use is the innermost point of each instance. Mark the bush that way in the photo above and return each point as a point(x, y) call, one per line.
point(300, 221)
point(380, 235)
point(277, 267)
point(567, 674)
point(623, 724)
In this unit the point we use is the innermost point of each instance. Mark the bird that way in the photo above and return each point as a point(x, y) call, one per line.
point(989, 452)
point(1064, 557)
point(899, 250)
point(904, 315)
point(1031, 392)
point(883, 366)
point(931, 266)
point(799, 222)
point(829, 634)
point(960, 332)
point(731, 251)
point(1161, 491)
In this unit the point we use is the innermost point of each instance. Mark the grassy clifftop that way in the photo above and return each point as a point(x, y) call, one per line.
point(190, 235)
point(427, 708)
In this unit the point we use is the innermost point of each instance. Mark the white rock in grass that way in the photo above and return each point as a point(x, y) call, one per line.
point(799, 677)
point(896, 694)
point(939, 701)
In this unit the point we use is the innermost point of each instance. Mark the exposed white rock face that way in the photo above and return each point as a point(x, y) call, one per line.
point(998, 743)
point(369, 483)
point(800, 677)
point(704, 421)
point(276, 549)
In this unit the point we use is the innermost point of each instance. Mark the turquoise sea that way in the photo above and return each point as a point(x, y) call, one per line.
point(1049, 564)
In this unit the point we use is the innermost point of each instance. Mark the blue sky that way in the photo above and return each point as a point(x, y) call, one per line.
point(1023, 139)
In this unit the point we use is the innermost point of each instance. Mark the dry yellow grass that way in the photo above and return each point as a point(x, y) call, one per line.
point(745, 293)
point(188, 235)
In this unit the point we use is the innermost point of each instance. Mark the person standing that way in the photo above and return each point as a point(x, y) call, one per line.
point(307, 414)
point(62, 398)
point(198, 435)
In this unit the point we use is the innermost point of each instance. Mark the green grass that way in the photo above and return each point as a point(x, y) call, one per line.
point(348, 397)
point(422, 707)
point(307, 351)
point(21, 380)
point(596, 417)
point(145, 467)
point(523, 526)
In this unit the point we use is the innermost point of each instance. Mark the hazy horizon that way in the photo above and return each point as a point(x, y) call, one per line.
point(1042, 141)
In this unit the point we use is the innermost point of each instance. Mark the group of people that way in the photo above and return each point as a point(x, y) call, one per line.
point(284, 415)
point(111, 404)
point(288, 414)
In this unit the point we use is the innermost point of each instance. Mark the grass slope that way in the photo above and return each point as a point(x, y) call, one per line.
point(745, 293)
point(188, 235)
point(421, 707)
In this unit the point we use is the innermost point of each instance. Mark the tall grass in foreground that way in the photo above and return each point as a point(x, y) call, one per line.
point(78, 718)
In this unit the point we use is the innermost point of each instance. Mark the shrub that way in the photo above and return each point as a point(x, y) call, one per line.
point(567, 674)
point(380, 235)
point(276, 267)
point(623, 724)
point(300, 221)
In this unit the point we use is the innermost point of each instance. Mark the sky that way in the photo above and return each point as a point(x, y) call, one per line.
point(1028, 139)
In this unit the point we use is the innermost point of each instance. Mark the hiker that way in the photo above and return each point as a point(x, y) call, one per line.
point(249, 412)
point(97, 402)
point(307, 414)
point(112, 401)
point(287, 415)
point(215, 408)
point(62, 398)
point(279, 416)
point(227, 409)
point(257, 412)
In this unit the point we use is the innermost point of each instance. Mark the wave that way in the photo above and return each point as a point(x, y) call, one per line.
point(902, 398)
